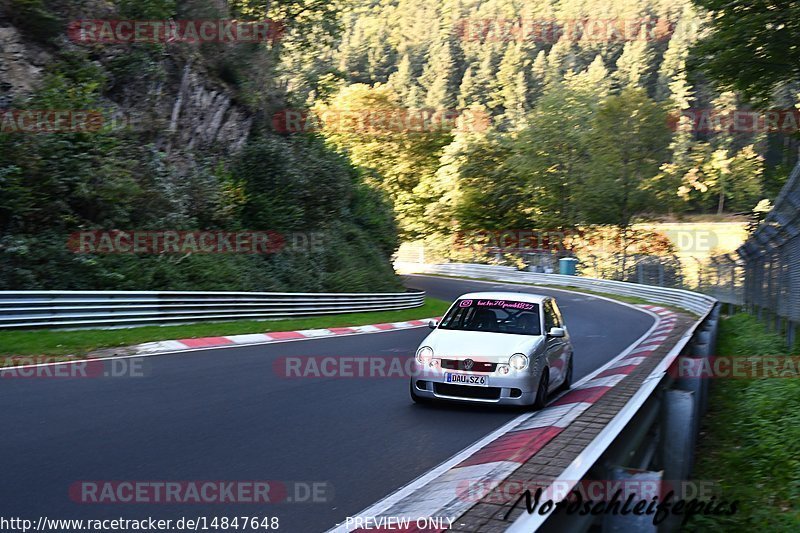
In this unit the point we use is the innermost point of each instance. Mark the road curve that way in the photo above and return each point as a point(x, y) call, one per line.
point(223, 414)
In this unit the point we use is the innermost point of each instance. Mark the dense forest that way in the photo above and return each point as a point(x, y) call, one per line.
point(585, 129)
point(580, 130)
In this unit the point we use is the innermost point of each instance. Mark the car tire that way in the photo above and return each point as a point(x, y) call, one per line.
point(541, 391)
point(565, 386)
point(417, 399)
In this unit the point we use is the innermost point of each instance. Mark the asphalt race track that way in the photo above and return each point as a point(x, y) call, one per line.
point(224, 414)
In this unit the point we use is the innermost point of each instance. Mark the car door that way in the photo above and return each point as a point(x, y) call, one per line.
point(551, 346)
point(554, 346)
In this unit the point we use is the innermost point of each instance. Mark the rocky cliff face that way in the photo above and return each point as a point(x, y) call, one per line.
point(177, 106)
point(21, 65)
point(204, 116)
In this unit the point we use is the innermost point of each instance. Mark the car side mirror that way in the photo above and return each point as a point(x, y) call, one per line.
point(557, 332)
point(432, 324)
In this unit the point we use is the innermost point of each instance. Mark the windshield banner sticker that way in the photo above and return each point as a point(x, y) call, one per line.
point(503, 304)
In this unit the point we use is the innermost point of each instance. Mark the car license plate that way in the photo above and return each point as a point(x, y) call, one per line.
point(467, 379)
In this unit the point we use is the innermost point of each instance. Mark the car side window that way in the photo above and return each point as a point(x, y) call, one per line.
point(557, 312)
point(550, 320)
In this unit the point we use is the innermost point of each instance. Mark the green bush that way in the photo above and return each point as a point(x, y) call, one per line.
point(35, 20)
point(750, 442)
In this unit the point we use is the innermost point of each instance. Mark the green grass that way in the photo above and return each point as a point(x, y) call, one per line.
point(80, 342)
point(750, 439)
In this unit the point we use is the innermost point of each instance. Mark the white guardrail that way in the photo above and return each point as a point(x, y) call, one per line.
point(77, 309)
point(699, 304)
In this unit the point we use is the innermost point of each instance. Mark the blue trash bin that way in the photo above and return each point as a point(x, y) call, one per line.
point(567, 266)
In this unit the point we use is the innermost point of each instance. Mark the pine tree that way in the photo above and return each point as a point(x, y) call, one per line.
point(594, 80)
point(438, 77)
point(485, 75)
point(672, 71)
point(466, 91)
point(634, 65)
point(538, 78)
point(560, 60)
point(402, 80)
point(511, 88)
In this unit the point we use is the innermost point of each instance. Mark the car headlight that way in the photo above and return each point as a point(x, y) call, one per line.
point(424, 355)
point(518, 361)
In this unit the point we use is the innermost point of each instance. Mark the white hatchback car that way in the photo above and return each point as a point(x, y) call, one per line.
point(495, 347)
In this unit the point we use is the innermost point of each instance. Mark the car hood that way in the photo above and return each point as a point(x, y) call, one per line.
point(479, 345)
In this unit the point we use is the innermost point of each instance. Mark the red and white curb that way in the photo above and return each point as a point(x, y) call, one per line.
point(445, 492)
point(150, 348)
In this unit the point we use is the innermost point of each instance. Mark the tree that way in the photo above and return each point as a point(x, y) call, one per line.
point(394, 156)
point(594, 80)
point(511, 87)
point(402, 81)
point(438, 77)
point(752, 46)
point(735, 181)
point(466, 91)
point(627, 143)
point(538, 77)
point(489, 194)
point(550, 154)
point(633, 66)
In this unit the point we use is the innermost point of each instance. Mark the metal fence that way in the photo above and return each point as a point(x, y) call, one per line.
point(659, 270)
point(772, 262)
point(75, 309)
point(723, 278)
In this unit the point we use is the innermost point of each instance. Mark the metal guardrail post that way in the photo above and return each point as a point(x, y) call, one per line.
point(677, 442)
point(618, 523)
point(699, 349)
point(680, 423)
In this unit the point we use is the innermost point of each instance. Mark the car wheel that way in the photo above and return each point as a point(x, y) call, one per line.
point(568, 379)
point(541, 393)
point(414, 397)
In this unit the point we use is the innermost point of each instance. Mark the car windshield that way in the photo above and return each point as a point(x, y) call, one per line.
point(494, 316)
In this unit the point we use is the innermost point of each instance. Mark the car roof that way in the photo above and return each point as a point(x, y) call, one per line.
point(503, 295)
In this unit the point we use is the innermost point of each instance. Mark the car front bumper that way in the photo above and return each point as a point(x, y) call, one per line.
point(514, 388)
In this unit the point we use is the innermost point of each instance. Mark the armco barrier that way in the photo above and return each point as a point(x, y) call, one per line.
point(652, 435)
point(75, 309)
point(696, 303)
